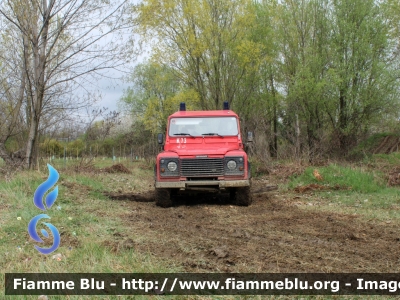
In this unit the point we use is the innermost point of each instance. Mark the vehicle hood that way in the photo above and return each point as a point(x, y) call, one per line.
point(203, 151)
point(206, 146)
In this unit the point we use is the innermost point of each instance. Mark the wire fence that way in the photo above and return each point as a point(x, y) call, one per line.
point(72, 157)
point(113, 155)
point(82, 158)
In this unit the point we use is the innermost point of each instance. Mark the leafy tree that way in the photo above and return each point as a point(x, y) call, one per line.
point(337, 77)
point(155, 94)
point(318, 74)
point(366, 85)
point(51, 147)
point(304, 40)
point(262, 109)
point(204, 43)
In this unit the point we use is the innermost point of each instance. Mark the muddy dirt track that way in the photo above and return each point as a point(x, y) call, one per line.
point(206, 234)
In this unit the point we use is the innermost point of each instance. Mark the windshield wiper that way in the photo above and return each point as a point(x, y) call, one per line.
point(212, 133)
point(183, 133)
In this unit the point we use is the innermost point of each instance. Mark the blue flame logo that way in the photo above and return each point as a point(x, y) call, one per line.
point(49, 201)
point(44, 187)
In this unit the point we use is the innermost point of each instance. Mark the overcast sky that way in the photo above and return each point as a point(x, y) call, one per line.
point(113, 83)
point(112, 89)
point(110, 86)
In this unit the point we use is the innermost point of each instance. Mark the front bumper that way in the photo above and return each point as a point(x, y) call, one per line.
point(183, 185)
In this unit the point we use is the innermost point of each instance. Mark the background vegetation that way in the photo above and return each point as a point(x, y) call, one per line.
point(311, 78)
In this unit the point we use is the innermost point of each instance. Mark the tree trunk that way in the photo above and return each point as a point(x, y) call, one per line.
point(342, 122)
point(31, 143)
point(39, 62)
point(274, 145)
point(297, 130)
point(4, 154)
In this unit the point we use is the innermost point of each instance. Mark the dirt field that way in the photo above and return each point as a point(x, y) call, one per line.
point(274, 234)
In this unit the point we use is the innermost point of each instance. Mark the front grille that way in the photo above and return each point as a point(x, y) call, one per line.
point(202, 167)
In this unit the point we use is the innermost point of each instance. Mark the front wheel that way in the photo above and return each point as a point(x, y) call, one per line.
point(163, 197)
point(241, 196)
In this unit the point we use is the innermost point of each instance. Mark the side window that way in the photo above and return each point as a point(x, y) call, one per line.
point(173, 128)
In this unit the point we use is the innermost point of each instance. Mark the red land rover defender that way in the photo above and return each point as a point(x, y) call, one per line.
point(203, 151)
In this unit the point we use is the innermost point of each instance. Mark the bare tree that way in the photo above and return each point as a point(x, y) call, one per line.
point(12, 88)
point(99, 130)
point(63, 44)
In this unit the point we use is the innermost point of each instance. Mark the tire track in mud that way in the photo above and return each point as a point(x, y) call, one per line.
point(206, 234)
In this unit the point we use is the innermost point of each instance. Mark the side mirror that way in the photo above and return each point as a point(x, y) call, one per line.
point(160, 138)
point(250, 136)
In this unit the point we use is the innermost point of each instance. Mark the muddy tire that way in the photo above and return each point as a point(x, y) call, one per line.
point(163, 197)
point(241, 196)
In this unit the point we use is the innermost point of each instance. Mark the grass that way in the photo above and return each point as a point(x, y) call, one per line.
point(363, 190)
point(88, 221)
point(334, 175)
point(85, 220)
point(382, 161)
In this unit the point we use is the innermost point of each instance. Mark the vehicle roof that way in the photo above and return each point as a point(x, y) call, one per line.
point(203, 113)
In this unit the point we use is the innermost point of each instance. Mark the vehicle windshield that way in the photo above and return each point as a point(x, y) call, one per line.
point(203, 126)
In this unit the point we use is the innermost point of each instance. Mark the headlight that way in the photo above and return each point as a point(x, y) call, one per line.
point(172, 166)
point(231, 165)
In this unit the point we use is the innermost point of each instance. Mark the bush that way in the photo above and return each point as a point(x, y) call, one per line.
point(335, 175)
